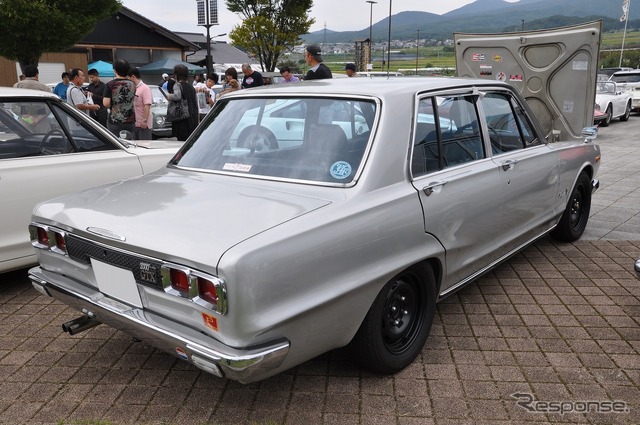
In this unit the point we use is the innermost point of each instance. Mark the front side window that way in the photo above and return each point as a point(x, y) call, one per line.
point(504, 125)
point(37, 128)
point(315, 139)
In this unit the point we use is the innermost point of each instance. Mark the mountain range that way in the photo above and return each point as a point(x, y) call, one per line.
point(485, 16)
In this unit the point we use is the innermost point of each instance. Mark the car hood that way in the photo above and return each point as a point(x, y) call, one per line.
point(173, 215)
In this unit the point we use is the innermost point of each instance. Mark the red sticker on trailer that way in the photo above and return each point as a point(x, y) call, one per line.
point(210, 321)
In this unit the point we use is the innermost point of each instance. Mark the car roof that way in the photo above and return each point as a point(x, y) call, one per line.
point(632, 72)
point(377, 87)
point(15, 92)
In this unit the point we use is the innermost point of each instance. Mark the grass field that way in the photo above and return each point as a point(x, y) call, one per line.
point(437, 57)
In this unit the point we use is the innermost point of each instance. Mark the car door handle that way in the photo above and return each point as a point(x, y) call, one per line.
point(508, 164)
point(433, 187)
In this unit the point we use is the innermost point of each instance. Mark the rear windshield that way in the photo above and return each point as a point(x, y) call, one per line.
point(626, 78)
point(313, 139)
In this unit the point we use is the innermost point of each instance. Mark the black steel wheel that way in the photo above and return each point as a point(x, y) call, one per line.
point(398, 322)
point(576, 214)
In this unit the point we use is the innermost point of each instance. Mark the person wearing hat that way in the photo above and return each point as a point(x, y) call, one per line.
point(351, 70)
point(165, 81)
point(313, 57)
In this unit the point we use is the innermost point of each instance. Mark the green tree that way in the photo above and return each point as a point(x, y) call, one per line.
point(269, 27)
point(32, 27)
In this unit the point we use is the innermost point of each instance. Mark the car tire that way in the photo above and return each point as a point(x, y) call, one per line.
point(607, 120)
point(576, 214)
point(398, 323)
point(258, 139)
point(627, 112)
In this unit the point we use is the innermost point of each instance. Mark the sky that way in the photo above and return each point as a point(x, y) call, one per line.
point(338, 15)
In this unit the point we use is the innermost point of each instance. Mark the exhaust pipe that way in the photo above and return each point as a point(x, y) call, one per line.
point(80, 324)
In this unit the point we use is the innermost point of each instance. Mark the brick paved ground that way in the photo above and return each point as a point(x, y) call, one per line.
point(559, 322)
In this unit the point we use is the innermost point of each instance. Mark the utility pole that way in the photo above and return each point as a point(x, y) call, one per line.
point(389, 40)
point(371, 2)
point(417, 46)
point(207, 17)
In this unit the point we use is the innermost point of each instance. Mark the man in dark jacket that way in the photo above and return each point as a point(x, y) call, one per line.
point(97, 88)
point(318, 71)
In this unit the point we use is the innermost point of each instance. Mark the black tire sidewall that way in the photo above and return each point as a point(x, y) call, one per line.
point(368, 345)
point(564, 231)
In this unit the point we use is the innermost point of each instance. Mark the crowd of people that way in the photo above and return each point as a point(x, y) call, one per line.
point(124, 103)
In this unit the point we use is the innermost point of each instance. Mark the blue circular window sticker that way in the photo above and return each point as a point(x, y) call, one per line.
point(340, 170)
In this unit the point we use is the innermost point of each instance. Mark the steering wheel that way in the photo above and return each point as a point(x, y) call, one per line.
point(46, 139)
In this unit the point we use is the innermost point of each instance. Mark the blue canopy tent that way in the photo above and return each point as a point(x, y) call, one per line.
point(105, 69)
point(166, 66)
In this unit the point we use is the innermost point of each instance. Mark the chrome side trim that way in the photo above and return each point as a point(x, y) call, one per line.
point(240, 364)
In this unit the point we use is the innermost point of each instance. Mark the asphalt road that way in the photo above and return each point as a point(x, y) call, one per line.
point(556, 326)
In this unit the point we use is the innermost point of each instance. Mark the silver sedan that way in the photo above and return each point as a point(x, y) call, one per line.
point(340, 217)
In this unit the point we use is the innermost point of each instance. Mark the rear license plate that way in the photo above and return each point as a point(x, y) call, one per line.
point(117, 283)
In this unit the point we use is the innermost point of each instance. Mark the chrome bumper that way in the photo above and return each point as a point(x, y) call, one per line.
point(208, 354)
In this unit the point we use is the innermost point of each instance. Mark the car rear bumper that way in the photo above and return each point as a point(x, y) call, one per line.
point(162, 132)
point(205, 352)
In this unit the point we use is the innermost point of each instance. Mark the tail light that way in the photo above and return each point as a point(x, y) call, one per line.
point(48, 238)
point(203, 289)
point(207, 290)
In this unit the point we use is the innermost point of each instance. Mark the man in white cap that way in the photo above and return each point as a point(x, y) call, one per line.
point(318, 71)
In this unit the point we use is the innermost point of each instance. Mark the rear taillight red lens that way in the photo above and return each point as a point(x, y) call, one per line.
point(203, 289)
point(207, 291)
point(180, 281)
point(61, 243)
point(48, 238)
point(43, 236)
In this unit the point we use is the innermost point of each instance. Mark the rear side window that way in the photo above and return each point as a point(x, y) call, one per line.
point(447, 134)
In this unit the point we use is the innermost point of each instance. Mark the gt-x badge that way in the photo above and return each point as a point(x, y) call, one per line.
point(148, 272)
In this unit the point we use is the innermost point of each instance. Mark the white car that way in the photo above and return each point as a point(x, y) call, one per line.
point(629, 81)
point(48, 148)
point(613, 101)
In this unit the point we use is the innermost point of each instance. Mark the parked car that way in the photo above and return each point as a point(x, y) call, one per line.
point(613, 101)
point(48, 148)
point(248, 262)
point(161, 127)
point(598, 115)
point(629, 81)
point(610, 71)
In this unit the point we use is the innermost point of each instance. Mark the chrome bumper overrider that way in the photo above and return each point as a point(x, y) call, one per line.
point(244, 365)
point(595, 184)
